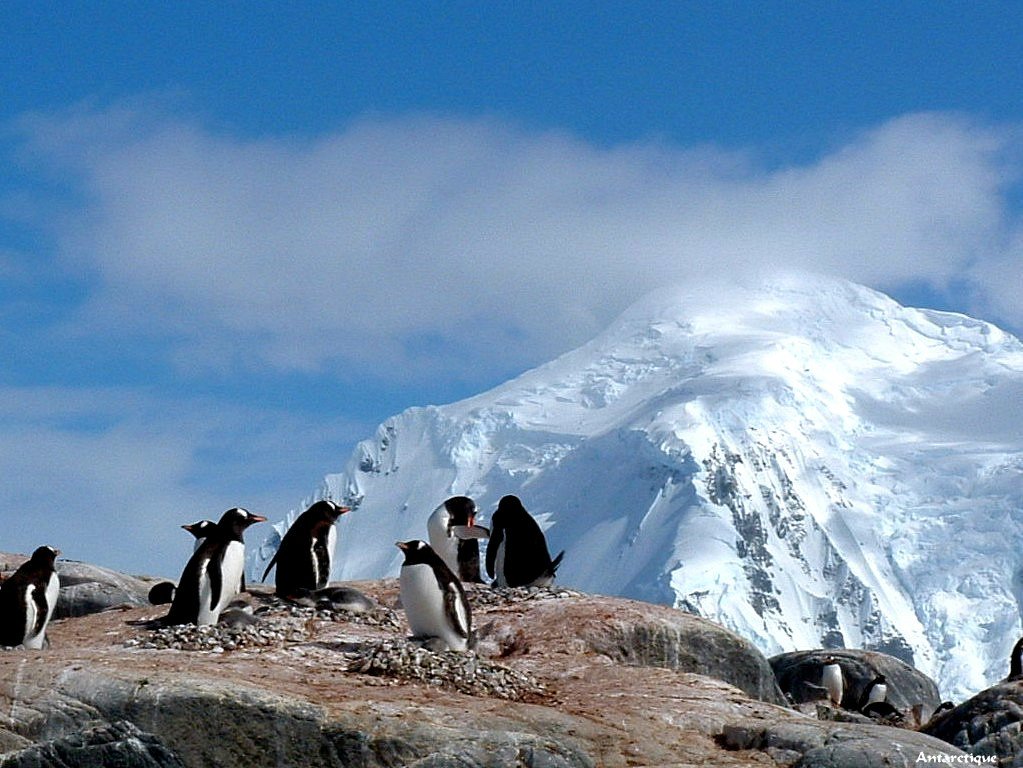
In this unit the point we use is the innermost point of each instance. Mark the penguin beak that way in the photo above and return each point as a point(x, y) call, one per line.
point(256, 518)
point(402, 545)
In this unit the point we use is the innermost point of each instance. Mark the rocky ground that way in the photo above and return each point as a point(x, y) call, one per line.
point(558, 679)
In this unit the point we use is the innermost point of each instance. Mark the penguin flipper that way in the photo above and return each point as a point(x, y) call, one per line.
point(39, 598)
point(458, 607)
point(273, 562)
point(493, 544)
point(214, 572)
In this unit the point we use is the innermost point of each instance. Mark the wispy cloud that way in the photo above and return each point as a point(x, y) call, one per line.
point(485, 244)
point(108, 475)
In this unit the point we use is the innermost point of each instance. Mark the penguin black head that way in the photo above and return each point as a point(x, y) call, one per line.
point(461, 511)
point(237, 520)
point(200, 529)
point(511, 505)
point(327, 510)
point(44, 556)
point(418, 552)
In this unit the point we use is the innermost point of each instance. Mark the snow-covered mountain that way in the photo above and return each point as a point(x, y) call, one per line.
point(807, 462)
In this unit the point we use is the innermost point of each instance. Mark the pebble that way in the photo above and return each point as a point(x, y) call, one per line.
point(484, 596)
point(464, 672)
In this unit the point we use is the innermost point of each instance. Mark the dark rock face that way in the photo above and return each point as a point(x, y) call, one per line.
point(834, 745)
point(118, 744)
point(991, 723)
point(86, 589)
point(799, 676)
point(687, 643)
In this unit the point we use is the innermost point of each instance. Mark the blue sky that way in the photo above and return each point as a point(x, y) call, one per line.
point(234, 237)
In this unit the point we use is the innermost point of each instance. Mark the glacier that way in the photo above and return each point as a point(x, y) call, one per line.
point(802, 460)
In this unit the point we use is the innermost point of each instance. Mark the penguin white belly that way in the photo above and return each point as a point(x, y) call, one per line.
point(441, 541)
point(232, 565)
point(423, 601)
point(30, 619)
point(831, 679)
point(33, 639)
point(877, 694)
point(331, 547)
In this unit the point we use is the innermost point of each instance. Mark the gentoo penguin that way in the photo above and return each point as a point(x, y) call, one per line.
point(517, 554)
point(306, 552)
point(212, 576)
point(1015, 662)
point(432, 596)
point(27, 600)
point(831, 679)
point(200, 529)
point(454, 536)
point(163, 592)
point(876, 691)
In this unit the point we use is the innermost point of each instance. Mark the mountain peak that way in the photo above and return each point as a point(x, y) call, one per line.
point(801, 459)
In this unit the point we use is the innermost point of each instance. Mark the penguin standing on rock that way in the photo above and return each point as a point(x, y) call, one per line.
point(163, 592)
point(831, 679)
point(213, 575)
point(454, 536)
point(517, 554)
point(875, 692)
point(433, 598)
point(1016, 662)
point(306, 553)
point(27, 600)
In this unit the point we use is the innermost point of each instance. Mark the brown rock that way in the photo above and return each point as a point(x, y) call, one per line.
point(621, 684)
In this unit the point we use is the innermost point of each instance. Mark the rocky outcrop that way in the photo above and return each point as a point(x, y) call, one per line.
point(989, 724)
point(118, 744)
point(799, 676)
point(560, 680)
point(86, 588)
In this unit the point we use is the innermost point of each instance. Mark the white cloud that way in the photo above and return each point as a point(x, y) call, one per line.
point(502, 247)
point(108, 475)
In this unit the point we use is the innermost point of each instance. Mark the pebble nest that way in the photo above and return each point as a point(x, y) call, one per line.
point(221, 637)
point(380, 616)
point(483, 596)
point(276, 622)
point(464, 672)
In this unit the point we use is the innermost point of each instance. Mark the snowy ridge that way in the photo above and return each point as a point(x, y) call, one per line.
point(804, 461)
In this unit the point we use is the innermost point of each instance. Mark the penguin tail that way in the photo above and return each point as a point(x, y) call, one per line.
point(555, 563)
point(273, 562)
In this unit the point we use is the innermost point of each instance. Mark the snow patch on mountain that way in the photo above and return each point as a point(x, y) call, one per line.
point(805, 461)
